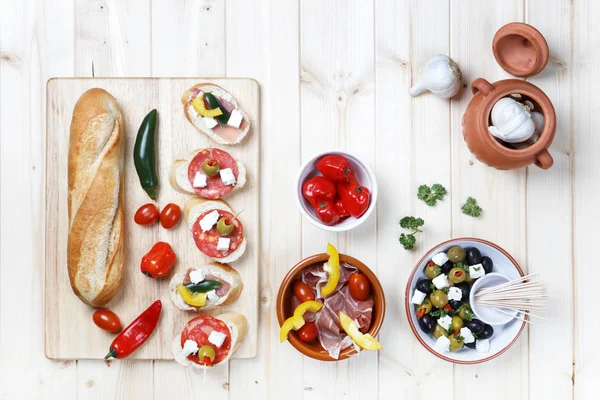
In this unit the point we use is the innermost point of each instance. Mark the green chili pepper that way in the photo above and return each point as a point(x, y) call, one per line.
point(204, 286)
point(214, 103)
point(144, 154)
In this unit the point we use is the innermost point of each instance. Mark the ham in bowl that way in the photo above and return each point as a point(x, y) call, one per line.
point(331, 343)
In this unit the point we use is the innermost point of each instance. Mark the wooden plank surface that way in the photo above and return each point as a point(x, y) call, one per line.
point(66, 336)
point(546, 219)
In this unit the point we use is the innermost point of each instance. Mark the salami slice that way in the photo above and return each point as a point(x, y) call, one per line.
point(221, 291)
point(199, 329)
point(215, 188)
point(207, 241)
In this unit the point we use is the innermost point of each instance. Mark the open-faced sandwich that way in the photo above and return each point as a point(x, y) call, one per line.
point(218, 233)
point(208, 173)
point(205, 287)
point(206, 341)
point(215, 112)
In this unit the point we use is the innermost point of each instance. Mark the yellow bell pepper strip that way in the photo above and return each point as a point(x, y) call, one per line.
point(296, 321)
point(365, 341)
point(333, 268)
point(198, 105)
point(193, 299)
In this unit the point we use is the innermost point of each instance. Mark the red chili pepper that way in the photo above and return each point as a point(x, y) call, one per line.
point(455, 332)
point(447, 307)
point(337, 168)
point(318, 189)
point(431, 264)
point(328, 213)
point(136, 333)
point(158, 260)
point(340, 209)
point(420, 313)
point(355, 198)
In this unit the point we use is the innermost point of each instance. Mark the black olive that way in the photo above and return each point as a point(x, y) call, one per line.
point(488, 264)
point(465, 288)
point(454, 304)
point(447, 267)
point(476, 326)
point(423, 285)
point(473, 256)
point(427, 323)
point(487, 332)
point(471, 345)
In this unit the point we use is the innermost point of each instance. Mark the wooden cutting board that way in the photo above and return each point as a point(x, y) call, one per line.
point(70, 331)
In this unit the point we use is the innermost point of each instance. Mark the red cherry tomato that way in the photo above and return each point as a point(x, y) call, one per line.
point(303, 292)
point(169, 216)
point(146, 214)
point(359, 286)
point(308, 332)
point(107, 320)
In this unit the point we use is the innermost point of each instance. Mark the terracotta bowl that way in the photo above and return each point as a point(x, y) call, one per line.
point(284, 305)
point(520, 49)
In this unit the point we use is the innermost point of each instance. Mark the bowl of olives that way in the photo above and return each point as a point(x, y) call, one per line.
point(438, 296)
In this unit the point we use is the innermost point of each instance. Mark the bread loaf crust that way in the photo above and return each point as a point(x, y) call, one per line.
point(95, 248)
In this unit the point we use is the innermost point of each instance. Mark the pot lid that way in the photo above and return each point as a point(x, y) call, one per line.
point(520, 49)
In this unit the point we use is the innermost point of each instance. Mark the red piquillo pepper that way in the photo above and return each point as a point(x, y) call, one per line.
point(317, 190)
point(158, 260)
point(337, 168)
point(355, 198)
point(136, 333)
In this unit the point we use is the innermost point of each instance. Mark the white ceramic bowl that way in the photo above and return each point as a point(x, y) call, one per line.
point(364, 175)
point(485, 313)
point(504, 335)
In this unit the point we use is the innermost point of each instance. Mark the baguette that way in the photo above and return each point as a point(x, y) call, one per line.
point(238, 327)
point(221, 271)
point(220, 134)
point(95, 248)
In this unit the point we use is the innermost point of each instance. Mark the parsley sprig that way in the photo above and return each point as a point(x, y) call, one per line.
point(431, 195)
point(408, 240)
point(471, 208)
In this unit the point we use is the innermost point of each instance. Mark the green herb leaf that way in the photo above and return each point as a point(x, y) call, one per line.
point(439, 313)
point(471, 208)
point(431, 195)
point(446, 290)
point(408, 241)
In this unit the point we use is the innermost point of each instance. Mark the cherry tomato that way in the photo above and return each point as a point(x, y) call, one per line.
point(308, 332)
point(146, 214)
point(359, 286)
point(169, 216)
point(303, 292)
point(107, 320)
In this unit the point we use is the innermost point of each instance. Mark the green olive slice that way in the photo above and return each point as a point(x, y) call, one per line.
point(211, 167)
point(224, 226)
point(207, 351)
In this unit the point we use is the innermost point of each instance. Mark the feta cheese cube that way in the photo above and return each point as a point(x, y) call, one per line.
point(189, 347)
point(454, 293)
point(199, 180)
point(197, 276)
point(440, 259)
point(483, 345)
point(445, 322)
point(476, 271)
point(209, 221)
point(418, 297)
point(442, 345)
point(227, 176)
point(209, 122)
point(223, 244)
point(440, 281)
point(467, 335)
point(235, 120)
point(212, 296)
point(217, 338)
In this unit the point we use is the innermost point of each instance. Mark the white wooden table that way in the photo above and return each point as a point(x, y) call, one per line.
point(333, 73)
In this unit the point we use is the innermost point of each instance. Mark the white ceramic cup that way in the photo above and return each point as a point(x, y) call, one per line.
point(489, 315)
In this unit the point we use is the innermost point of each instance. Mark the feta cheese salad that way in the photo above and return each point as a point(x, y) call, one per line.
point(442, 300)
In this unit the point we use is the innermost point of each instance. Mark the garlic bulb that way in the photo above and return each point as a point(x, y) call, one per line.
point(441, 76)
point(538, 122)
point(511, 121)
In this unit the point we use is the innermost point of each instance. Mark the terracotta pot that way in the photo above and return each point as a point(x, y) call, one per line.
point(485, 147)
point(284, 305)
point(520, 49)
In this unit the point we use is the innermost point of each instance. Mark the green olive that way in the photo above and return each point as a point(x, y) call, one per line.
point(456, 254)
point(456, 343)
point(439, 331)
point(207, 351)
point(465, 312)
point(468, 278)
point(211, 167)
point(457, 323)
point(432, 270)
point(438, 298)
point(457, 275)
point(224, 226)
point(425, 305)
